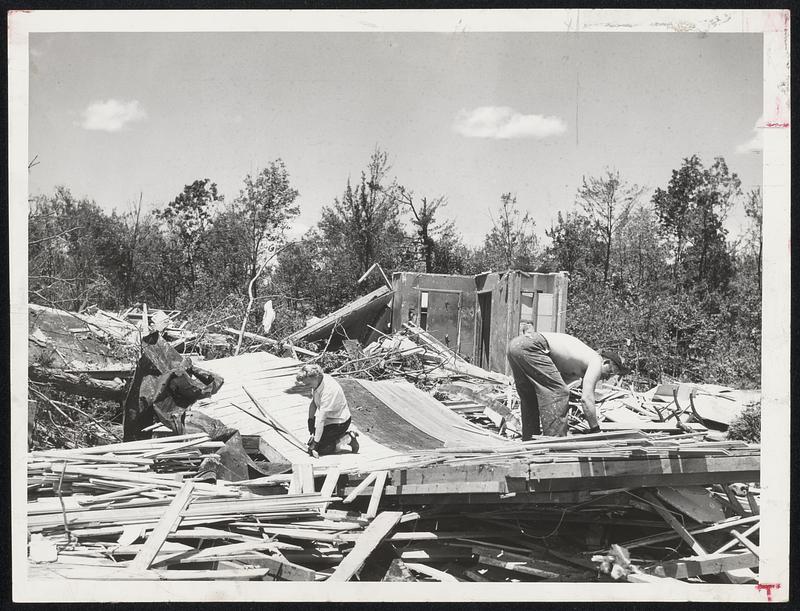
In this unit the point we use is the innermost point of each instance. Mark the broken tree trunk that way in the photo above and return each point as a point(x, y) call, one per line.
point(80, 384)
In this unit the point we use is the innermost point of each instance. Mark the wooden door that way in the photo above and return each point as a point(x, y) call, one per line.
point(441, 312)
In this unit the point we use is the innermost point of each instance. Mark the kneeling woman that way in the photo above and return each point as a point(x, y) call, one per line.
point(328, 413)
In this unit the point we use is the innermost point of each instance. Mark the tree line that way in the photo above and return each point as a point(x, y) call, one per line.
point(659, 277)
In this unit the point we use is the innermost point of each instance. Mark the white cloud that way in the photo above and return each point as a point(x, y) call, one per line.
point(111, 115)
point(505, 122)
point(756, 143)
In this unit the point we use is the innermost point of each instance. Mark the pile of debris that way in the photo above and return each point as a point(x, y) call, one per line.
point(550, 510)
point(442, 490)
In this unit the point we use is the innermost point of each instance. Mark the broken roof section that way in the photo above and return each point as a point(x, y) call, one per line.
point(85, 354)
point(356, 320)
point(80, 342)
point(393, 417)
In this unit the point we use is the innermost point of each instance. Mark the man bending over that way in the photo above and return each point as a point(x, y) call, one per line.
point(544, 365)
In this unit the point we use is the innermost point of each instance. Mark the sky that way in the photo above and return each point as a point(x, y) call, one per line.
point(468, 116)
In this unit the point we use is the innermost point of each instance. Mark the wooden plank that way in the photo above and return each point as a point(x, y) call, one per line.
point(668, 536)
point(751, 500)
point(502, 553)
point(710, 465)
point(165, 524)
point(174, 447)
point(709, 564)
point(376, 532)
point(650, 426)
point(449, 488)
point(279, 567)
point(296, 483)
point(674, 523)
point(734, 501)
point(431, 572)
point(306, 478)
point(329, 485)
point(365, 483)
point(434, 553)
point(751, 547)
point(733, 542)
point(517, 566)
point(108, 573)
point(377, 492)
point(453, 471)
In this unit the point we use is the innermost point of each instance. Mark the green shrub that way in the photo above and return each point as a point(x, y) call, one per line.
point(747, 426)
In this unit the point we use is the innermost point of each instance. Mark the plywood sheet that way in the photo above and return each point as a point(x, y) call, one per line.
point(377, 420)
point(271, 381)
point(427, 414)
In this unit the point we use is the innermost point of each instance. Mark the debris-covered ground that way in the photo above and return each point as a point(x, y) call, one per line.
point(668, 490)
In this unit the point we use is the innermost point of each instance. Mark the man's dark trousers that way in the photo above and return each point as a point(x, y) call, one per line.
point(542, 392)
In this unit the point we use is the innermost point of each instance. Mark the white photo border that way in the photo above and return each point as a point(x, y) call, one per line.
point(775, 493)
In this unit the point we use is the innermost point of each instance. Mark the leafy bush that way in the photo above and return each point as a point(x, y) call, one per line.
point(747, 426)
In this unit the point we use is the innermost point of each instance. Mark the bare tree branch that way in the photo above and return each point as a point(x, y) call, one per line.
point(53, 237)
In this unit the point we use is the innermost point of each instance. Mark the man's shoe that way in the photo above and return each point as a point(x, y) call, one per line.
point(354, 445)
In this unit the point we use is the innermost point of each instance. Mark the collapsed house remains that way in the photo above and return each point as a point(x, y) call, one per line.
point(213, 480)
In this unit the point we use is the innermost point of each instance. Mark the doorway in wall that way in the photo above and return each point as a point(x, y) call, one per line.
point(485, 307)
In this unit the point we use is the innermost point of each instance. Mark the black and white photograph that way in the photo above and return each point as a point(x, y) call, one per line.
point(317, 305)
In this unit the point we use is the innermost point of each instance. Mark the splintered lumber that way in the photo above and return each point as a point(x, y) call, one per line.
point(168, 519)
point(376, 532)
point(206, 509)
point(125, 446)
